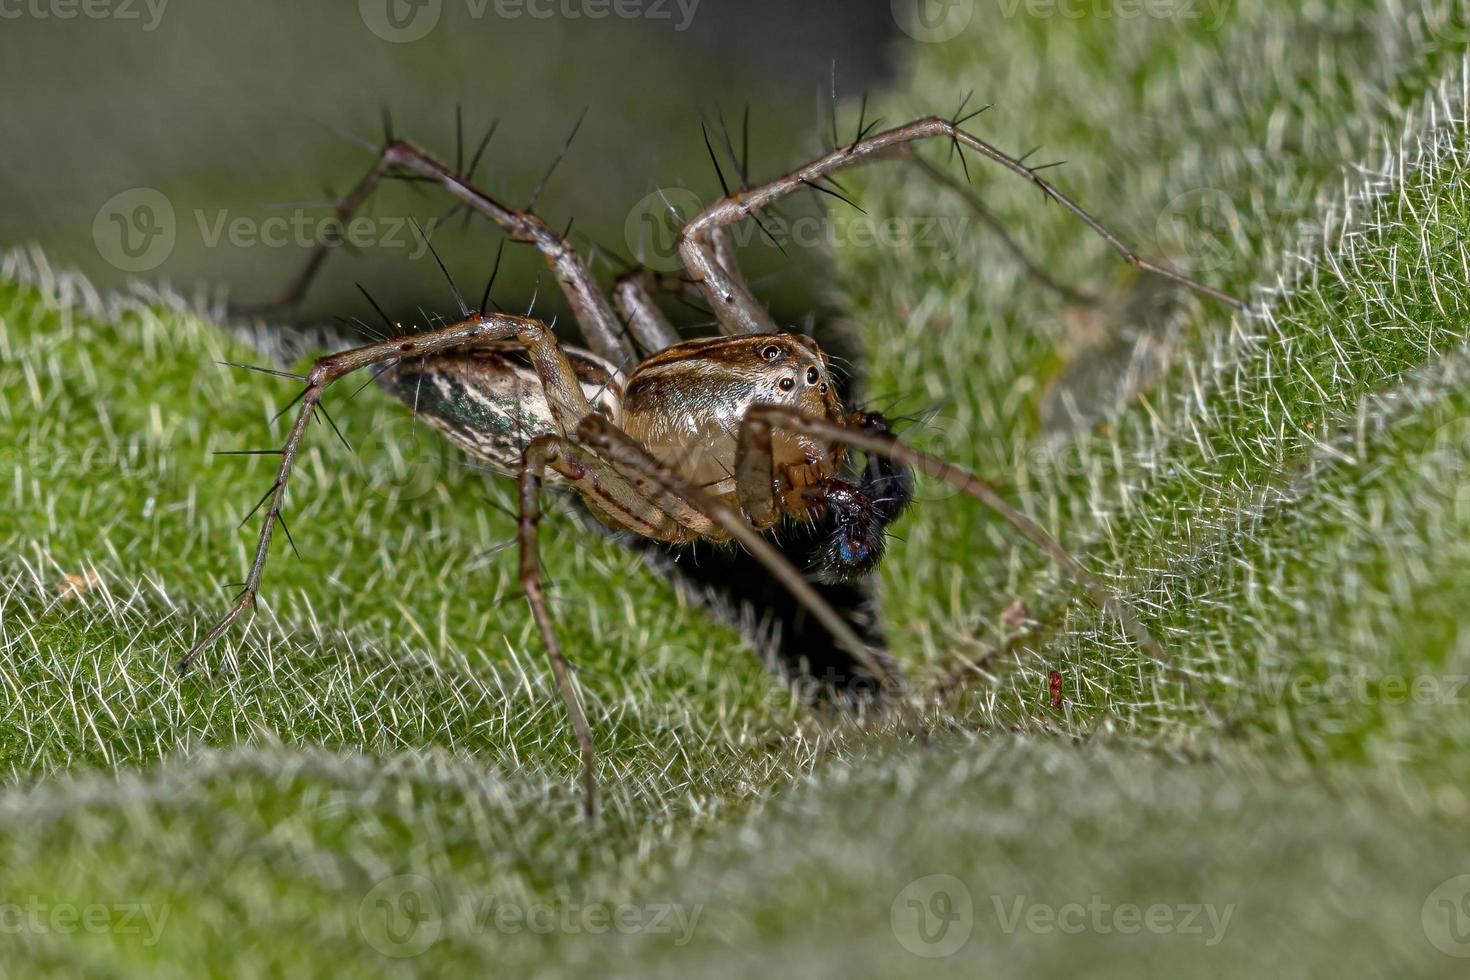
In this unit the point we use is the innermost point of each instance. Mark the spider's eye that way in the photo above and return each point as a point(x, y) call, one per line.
point(770, 352)
point(786, 384)
point(812, 375)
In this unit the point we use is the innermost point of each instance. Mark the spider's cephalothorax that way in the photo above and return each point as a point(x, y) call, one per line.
point(685, 405)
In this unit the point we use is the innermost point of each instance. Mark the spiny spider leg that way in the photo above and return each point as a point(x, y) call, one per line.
point(740, 312)
point(761, 419)
point(542, 451)
point(654, 514)
point(632, 295)
point(325, 371)
point(594, 313)
point(322, 373)
point(594, 479)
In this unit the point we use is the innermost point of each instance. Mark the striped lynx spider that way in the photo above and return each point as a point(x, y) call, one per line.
point(717, 439)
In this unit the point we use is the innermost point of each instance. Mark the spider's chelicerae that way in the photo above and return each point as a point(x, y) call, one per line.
point(717, 439)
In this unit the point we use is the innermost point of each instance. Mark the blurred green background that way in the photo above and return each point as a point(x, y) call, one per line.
point(229, 108)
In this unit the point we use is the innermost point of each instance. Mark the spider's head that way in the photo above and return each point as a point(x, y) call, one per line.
point(790, 369)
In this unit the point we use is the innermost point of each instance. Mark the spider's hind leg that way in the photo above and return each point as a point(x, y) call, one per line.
point(323, 374)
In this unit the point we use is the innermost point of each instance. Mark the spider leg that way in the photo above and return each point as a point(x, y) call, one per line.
point(633, 296)
point(594, 314)
point(761, 419)
point(740, 312)
point(597, 484)
point(541, 452)
point(563, 393)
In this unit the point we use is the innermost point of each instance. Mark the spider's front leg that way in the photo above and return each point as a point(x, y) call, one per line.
point(736, 307)
point(600, 325)
point(873, 438)
point(566, 403)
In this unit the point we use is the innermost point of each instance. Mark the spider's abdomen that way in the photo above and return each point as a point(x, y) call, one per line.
point(489, 401)
point(686, 403)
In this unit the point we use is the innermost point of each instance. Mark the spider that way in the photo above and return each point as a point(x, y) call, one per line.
point(716, 439)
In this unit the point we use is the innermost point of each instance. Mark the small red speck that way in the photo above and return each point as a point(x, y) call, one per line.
point(1054, 683)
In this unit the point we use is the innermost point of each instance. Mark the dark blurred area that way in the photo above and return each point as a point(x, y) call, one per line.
point(226, 109)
